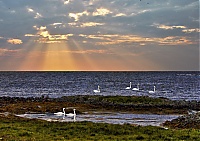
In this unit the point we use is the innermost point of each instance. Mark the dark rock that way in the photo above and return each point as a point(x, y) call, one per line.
point(185, 121)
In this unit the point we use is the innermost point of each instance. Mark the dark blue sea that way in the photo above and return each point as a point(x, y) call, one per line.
point(172, 85)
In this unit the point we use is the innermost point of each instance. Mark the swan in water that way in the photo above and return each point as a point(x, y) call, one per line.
point(128, 88)
point(97, 91)
point(60, 113)
point(136, 89)
point(154, 90)
point(72, 115)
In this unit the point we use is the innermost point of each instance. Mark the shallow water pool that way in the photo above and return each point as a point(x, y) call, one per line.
point(108, 117)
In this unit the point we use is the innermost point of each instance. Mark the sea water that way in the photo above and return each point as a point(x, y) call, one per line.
point(173, 85)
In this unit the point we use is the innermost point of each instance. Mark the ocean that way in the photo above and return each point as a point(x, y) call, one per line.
point(175, 85)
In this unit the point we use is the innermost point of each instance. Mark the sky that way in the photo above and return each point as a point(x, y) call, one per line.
point(99, 35)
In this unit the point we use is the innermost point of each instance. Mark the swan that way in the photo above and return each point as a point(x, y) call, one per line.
point(128, 88)
point(154, 90)
point(97, 91)
point(71, 114)
point(136, 89)
point(60, 113)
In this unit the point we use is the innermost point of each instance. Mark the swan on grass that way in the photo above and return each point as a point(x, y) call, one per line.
point(60, 113)
point(154, 90)
point(128, 88)
point(136, 89)
point(98, 90)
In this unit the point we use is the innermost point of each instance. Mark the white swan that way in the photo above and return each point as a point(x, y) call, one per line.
point(97, 91)
point(128, 88)
point(60, 113)
point(154, 90)
point(72, 115)
point(136, 89)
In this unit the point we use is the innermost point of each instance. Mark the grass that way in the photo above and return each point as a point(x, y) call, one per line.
point(136, 104)
point(15, 128)
point(21, 129)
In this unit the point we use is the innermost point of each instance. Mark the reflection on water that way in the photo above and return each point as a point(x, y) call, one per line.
point(113, 118)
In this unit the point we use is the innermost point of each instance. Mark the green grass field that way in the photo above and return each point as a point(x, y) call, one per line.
point(20, 129)
point(14, 128)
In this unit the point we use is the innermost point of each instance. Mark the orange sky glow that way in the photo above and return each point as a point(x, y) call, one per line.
point(91, 35)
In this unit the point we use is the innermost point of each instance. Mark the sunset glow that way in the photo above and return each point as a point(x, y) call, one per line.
point(78, 35)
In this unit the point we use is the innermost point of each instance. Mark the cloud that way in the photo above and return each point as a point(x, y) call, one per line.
point(166, 27)
point(44, 33)
point(129, 39)
point(191, 30)
point(184, 28)
point(14, 41)
point(72, 24)
point(89, 52)
point(67, 1)
point(174, 40)
point(76, 16)
point(91, 2)
point(101, 12)
point(56, 24)
point(120, 15)
point(29, 35)
point(37, 14)
point(43, 36)
point(42, 28)
point(87, 24)
point(30, 10)
point(91, 24)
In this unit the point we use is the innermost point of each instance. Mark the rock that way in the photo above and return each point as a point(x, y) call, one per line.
point(191, 120)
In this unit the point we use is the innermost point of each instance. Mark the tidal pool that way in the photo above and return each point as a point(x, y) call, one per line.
point(108, 117)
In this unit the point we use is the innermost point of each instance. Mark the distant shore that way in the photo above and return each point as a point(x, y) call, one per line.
point(135, 104)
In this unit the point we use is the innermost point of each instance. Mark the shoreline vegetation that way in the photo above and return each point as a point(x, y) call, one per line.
point(135, 104)
point(186, 127)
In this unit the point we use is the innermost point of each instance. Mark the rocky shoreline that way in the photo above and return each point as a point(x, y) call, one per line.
point(185, 122)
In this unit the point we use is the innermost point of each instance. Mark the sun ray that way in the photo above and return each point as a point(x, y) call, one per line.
point(57, 57)
point(85, 62)
point(32, 56)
